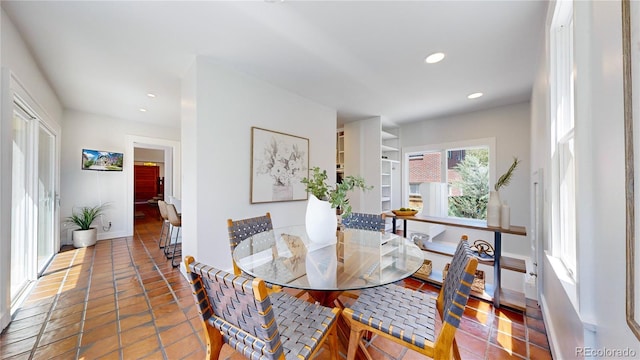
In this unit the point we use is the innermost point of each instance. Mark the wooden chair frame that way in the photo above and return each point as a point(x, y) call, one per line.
point(445, 344)
point(214, 336)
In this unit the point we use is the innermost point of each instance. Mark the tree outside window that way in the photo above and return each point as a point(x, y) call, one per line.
point(469, 185)
point(465, 170)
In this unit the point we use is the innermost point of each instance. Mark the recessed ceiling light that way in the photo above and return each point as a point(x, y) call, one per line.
point(151, 95)
point(475, 95)
point(434, 58)
point(143, 110)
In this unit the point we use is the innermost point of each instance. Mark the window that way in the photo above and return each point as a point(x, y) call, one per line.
point(449, 180)
point(562, 139)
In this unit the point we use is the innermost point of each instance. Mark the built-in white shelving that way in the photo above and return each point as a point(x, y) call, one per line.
point(389, 151)
point(340, 151)
point(372, 151)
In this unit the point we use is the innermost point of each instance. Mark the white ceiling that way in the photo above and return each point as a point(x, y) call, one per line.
point(363, 58)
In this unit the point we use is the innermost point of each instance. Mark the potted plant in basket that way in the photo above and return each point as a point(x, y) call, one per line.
point(83, 217)
point(320, 219)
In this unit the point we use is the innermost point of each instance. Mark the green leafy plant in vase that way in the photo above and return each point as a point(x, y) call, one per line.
point(335, 195)
point(320, 218)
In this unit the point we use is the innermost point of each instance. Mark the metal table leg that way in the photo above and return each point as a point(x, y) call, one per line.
point(497, 237)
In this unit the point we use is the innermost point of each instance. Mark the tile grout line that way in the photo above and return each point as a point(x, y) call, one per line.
point(175, 297)
point(53, 304)
point(116, 298)
point(526, 332)
point(146, 295)
point(493, 321)
point(86, 299)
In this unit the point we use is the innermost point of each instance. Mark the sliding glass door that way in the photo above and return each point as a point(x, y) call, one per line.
point(33, 201)
point(46, 196)
point(21, 202)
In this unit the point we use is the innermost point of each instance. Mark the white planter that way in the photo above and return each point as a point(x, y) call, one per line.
point(493, 209)
point(320, 221)
point(84, 238)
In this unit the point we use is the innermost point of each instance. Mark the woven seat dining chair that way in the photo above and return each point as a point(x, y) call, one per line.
point(241, 229)
point(408, 317)
point(239, 311)
point(176, 223)
point(164, 230)
point(364, 221)
point(360, 221)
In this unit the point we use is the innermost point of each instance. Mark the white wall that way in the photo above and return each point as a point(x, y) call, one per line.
point(88, 188)
point(219, 108)
point(362, 153)
point(509, 125)
point(598, 318)
point(16, 58)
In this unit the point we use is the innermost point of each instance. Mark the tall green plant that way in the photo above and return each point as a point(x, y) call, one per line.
point(336, 195)
point(86, 215)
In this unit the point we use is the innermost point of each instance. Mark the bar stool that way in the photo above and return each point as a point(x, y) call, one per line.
point(162, 206)
point(176, 222)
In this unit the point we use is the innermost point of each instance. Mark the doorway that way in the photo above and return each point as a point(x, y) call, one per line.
point(148, 181)
point(171, 170)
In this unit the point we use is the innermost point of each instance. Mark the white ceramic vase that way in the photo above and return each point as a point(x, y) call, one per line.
point(505, 216)
point(493, 209)
point(84, 238)
point(320, 221)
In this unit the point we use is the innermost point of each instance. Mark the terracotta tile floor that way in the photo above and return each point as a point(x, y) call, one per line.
point(122, 299)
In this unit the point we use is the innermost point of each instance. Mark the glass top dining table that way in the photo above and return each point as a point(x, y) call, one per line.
point(358, 259)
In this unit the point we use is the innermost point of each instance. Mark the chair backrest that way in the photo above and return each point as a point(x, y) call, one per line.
point(454, 293)
point(172, 213)
point(237, 306)
point(363, 221)
point(162, 206)
point(242, 229)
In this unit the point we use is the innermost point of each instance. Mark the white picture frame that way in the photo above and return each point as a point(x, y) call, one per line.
point(279, 162)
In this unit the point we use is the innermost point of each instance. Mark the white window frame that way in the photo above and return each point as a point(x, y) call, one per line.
point(563, 219)
point(443, 148)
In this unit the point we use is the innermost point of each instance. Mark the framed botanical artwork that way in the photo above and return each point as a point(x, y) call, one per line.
point(631, 72)
point(278, 162)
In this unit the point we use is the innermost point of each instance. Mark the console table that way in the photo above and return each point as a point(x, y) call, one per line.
point(475, 225)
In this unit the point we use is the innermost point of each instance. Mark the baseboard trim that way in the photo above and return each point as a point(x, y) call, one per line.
point(5, 319)
point(551, 333)
point(113, 235)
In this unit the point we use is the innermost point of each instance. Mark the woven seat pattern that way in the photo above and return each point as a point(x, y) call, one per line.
point(457, 285)
point(242, 229)
point(363, 221)
point(403, 313)
point(409, 315)
point(279, 325)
